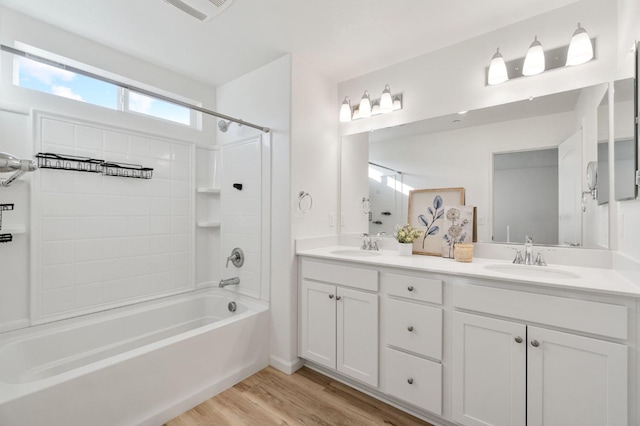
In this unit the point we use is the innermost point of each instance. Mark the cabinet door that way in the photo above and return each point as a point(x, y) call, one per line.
point(488, 371)
point(358, 335)
point(575, 380)
point(318, 323)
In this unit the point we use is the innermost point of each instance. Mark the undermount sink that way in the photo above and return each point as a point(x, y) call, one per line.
point(356, 252)
point(531, 271)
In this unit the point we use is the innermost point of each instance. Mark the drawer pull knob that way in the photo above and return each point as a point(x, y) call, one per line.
point(535, 343)
point(518, 339)
point(339, 298)
point(410, 380)
point(410, 328)
point(410, 288)
point(331, 296)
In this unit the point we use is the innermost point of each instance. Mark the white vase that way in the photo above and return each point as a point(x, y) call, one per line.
point(405, 249)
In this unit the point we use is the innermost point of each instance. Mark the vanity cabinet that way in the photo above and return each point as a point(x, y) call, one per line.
point(339, 324)
point(413, 325)
point(512, 373)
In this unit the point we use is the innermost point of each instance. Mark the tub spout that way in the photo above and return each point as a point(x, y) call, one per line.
point(229, 281)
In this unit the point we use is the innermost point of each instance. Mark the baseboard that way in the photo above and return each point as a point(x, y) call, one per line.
point(287, 367)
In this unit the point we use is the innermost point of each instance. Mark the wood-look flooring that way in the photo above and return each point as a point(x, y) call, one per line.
point(306, 397)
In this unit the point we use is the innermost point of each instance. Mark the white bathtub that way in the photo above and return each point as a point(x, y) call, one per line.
point(143, 364)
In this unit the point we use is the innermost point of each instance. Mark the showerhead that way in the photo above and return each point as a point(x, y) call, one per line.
point(223, 125)
point(10, 163)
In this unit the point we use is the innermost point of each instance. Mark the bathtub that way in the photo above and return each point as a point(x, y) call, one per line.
point(139, 365)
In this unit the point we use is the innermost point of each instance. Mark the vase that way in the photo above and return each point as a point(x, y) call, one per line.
point(405, 249)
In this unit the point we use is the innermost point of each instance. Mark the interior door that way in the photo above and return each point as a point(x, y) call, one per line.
point(570, 190)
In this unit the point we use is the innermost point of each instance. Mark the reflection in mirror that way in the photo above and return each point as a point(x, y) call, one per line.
point(459, 150)
point(625, 144)
point(602, 184)
point(386, 199)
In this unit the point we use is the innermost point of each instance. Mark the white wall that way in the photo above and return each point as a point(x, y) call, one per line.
point(263, 97)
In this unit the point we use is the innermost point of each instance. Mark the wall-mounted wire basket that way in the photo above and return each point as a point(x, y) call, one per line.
point(6, 238)
point(49, 160)
point(126, 170)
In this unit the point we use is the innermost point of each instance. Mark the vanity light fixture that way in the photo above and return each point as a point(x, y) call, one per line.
point(366, 108)
point(365, 105)
point(386, 101)
point(534, 61)
point(497, 69)
point(580, 48)
point(345, 110)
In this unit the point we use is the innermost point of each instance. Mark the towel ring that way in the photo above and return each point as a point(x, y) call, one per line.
point(301, 197)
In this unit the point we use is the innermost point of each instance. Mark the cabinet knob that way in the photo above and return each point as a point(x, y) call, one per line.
point(331, 296)
point(410, 288)
point(339, 298)
point(535, 343)
point(410, 328)
point(410, 380)
point(518, 339)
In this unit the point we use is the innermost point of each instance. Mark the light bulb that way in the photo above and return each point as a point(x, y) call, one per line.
point(534, 61)
point(386, 102)
point(497, 69)
point(580, 48)
point(365, 105)
point(345, 110)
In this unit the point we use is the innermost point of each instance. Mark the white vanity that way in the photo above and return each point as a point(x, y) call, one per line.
point(485, 343)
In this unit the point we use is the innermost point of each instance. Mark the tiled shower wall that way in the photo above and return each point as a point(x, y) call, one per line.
point(101, 241)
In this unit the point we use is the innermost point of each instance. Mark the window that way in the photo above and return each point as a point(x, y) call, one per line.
point(36, 75)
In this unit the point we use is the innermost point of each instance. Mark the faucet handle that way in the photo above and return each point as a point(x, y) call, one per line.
point(540, 260)
point(518, 259)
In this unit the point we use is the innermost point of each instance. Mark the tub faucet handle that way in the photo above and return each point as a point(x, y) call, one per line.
point(236, 258)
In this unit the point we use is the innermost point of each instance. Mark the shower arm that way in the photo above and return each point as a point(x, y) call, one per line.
point(10, 163)
point(140, 90)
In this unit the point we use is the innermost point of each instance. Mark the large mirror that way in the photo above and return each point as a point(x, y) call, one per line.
point(523, 165)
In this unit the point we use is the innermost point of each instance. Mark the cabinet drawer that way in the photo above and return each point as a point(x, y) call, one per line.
point(413, 327)
point(365, 279)
point(416, 288)
point(604, 319)
point(415, 380)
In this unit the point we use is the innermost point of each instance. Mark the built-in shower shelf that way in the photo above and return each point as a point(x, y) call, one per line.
point(208, 190)
point(208, 224)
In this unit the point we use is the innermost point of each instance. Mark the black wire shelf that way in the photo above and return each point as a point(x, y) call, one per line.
point(47, 160)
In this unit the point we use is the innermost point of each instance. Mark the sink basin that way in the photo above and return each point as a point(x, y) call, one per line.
point(531, 271)
point(356, 252)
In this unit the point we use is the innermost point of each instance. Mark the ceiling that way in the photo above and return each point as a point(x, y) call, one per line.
point(342, 39)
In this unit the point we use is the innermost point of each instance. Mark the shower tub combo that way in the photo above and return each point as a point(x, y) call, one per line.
point(142, 364)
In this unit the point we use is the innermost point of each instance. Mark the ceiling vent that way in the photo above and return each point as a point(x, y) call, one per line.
point(202, 10)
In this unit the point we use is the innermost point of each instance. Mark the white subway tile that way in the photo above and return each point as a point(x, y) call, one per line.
point(180, 224)
point(180, 171)
point(160, 263)
point(116, 226)
point(160, 244)
point(138, 246)
point(90, 294)
point(116, 142)
point(115, 269)
point(88, 272)
point(57, 228)
point(57, 180)
point(180, 242)
point(159, 225)
point(160, 149)
point(57, 132)
point(180, 260)
point(138, 206)
point(58, 300)
point(139, 266)
point(160, 206)
point(88, 138)
point(118, 289)
point(88, 227)
point(57, 276)
point(88, 250)
point(138, 226)
point(139, 146)
point(161, 168)
point(57, 204)
point(180, 189)
point(181, 153)
point(57, 252)
point(180, 206)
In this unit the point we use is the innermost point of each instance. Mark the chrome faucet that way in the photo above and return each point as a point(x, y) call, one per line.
point(528, 250)
point(367, 244)
point(229, 281)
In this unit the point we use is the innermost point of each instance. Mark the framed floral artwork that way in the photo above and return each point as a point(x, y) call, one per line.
point(426, 212)
point(458, 227)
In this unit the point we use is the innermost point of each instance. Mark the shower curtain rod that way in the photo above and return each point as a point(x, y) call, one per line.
point(128, 86)
point(387, 168)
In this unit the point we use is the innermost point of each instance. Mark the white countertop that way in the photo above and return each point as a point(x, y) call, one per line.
point(596, 280)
